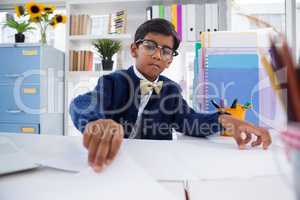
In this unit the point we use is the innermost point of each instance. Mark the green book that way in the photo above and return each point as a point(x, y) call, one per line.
point(161, 11)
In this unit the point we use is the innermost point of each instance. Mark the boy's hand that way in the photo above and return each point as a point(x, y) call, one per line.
point(102, 139)
point(238, 128)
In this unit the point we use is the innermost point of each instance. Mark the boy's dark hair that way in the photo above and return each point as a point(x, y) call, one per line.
point(160, 26)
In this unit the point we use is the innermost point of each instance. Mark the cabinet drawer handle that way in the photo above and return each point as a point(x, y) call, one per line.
point(13, 75)
point(14, 111)
point(28, 130)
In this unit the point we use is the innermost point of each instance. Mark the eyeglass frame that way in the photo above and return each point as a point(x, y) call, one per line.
point(175, 53)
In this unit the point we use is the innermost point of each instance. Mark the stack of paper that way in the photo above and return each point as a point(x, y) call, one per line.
point(257, 38)
point(258, 188)
point(185, 160)
point(124, 179)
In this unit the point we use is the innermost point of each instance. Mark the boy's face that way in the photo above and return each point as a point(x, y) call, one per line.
point(152, 65)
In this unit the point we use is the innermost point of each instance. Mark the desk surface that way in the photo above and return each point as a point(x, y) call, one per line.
point(212, 166)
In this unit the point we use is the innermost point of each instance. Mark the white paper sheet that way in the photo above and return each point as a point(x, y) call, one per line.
point(71, 162)
point(273, 187)
point(196, 159)
point(220, 158)
point(124, 179)
point(160, 158)
point(174, 187)
point(213, 158)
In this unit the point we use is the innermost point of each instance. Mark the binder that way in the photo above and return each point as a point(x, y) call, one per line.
point(208, 18)
point(174, 16)
point(179, 21)
point(200, 21)
point(155, 11)
point(168, 13)
point(184, 23)
point(191, 22)
point(149, 13)
point(161, 11)
point(214, 17)
point(195, 21)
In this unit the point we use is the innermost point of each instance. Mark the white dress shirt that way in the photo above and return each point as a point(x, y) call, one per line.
point(144, 101)
point(145, 98)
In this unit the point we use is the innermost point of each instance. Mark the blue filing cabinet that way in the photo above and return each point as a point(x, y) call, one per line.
point(31, 89)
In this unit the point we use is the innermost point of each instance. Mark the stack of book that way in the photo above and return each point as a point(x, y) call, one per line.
point(100, 24)
point(81, 61)
point(118, 22)
point(80, 24)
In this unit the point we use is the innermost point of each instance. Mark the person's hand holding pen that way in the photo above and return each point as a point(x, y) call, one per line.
point(102, 138)
point(243, 131)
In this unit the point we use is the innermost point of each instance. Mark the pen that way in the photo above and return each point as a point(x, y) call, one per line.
point(215, 104)
point(275, 57)
point(222, 103)
point(233, 105)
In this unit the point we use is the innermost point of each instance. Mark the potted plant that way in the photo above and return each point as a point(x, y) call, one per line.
point(42, 15)
point(107, 48)
point(20, 27)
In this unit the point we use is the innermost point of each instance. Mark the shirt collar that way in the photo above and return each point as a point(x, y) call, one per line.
point(141, 76)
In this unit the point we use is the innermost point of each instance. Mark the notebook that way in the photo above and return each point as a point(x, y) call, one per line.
point(228, 76)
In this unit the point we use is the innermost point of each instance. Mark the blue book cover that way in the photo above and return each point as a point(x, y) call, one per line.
point(233, 61)
point(233, 76)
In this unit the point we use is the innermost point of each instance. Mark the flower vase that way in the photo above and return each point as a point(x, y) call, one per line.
point(43, 40)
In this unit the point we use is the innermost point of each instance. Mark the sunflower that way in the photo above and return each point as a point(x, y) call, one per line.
point(53, 22)
point(49, 9)
point(34, 9)
point(20, 11)
point(35, 19)
point(60, 19)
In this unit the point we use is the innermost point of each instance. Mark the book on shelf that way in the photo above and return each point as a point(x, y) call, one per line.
point(100, 24)
point(118, 22)
point(81, 60)
point(189, 20)
point(113, 23)
point(80, 24)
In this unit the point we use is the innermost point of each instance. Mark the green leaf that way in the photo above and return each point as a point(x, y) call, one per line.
point(107, 47)
point(11, 23)
point(19, 27)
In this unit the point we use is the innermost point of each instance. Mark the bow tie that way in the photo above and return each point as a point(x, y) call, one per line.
point(147, 86)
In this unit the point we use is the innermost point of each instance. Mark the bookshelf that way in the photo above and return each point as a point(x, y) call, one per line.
point(90, 38)
point(136, 14)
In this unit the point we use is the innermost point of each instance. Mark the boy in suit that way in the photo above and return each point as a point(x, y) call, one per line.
point(142, 104)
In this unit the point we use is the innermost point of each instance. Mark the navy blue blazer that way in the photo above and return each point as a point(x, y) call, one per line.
point(117, 97)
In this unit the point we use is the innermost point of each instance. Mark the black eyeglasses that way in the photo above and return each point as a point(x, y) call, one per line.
point(151, 46)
